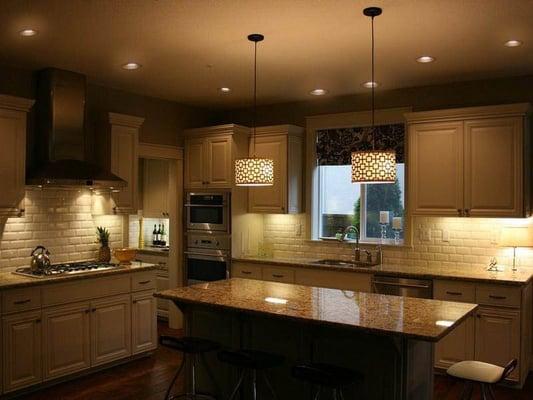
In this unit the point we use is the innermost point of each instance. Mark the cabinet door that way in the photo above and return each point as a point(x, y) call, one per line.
point(436, 168)
point(162, 283)
point(124, 163)
point(219, 166)
point(155, 188)
point(12, 161)
point(457, 345)
point(143, 322)
point(194, 163)
point(21, 350)
point(493, 167)
point(66, 340)
point(271, 199)
point(498, 337)
point(110, 329)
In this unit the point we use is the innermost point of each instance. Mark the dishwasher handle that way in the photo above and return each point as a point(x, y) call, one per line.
point(408, 285)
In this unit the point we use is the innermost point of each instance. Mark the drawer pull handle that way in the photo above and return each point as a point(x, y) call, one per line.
point(278, 275)
point(93, 310)
point(19, 302)
point(454, 293)
point(87, 311)
point(144, 282)
point(38, 321)
point(246, 272)
point(134, 301)
point(492, 296)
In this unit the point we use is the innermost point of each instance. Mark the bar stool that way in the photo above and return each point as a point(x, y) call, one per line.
point(252, 362)
point(191, 347)
point(483, 373)
point(327, 376)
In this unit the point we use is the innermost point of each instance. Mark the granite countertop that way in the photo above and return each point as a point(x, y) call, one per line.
point(421, 319)
point(9, 280)
point(154, 251)
point(474, 273)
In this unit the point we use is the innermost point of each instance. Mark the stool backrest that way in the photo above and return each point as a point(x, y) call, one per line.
point(509, 368)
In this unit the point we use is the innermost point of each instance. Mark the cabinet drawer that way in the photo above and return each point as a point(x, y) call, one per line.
point(15, 300)
point(143, 281)
point(240, 270)
point(498, 295)
point(278, 274)
point(454, 291)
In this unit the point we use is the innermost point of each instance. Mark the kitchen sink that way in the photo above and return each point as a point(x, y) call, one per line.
point(340, 263)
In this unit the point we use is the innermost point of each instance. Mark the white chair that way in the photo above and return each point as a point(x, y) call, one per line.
point(483, 373)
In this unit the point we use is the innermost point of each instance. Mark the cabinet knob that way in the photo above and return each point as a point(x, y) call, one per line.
point(467, 212)
point(460, 212)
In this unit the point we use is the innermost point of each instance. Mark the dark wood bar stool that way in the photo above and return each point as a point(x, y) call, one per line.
point(251, 362)
point(193, 348)
point(327, 376)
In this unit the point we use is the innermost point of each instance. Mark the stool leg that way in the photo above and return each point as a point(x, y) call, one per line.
point(341, 395)
point(239, 383)
point(484, 391)
point(254, 384)
point(210, 373)
point(193, 375)
point(466, 394)
point(167, 395)
point(491, 392)
point(269, 385)
point(317, 395)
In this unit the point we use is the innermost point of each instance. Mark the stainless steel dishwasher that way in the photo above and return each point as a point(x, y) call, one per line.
point(408, 287)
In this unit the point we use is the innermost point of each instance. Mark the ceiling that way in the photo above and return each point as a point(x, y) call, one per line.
point(190, 48)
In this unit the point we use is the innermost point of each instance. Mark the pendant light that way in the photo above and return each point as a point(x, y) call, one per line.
point(254, 171)
point(373, 166)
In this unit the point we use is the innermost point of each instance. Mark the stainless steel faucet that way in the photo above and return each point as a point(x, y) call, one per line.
point(356, 249)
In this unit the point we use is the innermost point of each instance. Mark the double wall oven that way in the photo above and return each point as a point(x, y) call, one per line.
point(208, 233)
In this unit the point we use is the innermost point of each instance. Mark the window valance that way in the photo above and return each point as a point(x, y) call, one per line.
point(335, 146)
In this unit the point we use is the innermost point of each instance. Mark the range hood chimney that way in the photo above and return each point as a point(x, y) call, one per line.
point(61, 144)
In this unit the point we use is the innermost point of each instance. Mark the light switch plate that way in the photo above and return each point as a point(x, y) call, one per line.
point(445, 235)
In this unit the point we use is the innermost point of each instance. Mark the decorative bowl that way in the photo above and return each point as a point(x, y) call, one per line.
point(125, 256)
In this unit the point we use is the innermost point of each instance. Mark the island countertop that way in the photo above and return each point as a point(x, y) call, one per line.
point(474, 273)
point(421, 319)
point(9, 280)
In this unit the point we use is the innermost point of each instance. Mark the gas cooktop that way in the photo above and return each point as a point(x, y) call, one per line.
point(67, 269)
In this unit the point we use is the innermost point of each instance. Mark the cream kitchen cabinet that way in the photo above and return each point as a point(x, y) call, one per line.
point(13, 115)
point(143, 325)
point(284, 145)
point(21, 350)
point(124, 159)
point(155, 188)
point(210, 154)
point(469, 162)
point(66, 340)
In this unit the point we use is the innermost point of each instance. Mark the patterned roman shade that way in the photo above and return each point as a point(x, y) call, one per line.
point(335, 146)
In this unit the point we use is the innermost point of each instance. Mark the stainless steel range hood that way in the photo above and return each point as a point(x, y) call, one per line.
point(61, 143)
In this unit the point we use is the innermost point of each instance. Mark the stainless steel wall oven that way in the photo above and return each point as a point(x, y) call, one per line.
point(208, 212)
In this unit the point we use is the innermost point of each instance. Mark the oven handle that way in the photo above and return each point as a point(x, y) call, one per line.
point(204, 256)
point(206, 205)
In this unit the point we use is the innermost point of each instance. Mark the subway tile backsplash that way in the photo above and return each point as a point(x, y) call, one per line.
point(460, 242)
point(59, 219)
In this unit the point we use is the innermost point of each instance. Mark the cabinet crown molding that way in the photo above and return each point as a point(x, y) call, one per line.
point(502, 110)
point(15, 103)
point(125, 120)
point(290, 130)
point(226, 129)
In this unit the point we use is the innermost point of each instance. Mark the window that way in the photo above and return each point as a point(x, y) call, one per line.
point(342, 203)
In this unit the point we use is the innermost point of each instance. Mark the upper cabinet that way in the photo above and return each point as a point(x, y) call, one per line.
point(13, 113)
point(470, 162)
point(210, 153)
point(155, 188)
point(283, 144)
point(124, 158)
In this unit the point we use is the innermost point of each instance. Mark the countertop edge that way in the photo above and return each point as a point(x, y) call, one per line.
point(372, 271)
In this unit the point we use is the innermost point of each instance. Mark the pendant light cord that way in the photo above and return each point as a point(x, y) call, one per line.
point(255, 99)
point(373, 87)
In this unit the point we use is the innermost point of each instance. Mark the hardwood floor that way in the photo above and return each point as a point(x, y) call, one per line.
point(148, 378)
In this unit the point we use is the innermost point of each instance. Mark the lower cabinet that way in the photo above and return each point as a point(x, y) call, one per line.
point(457, 346)
point(21, 350)
point(66, 340)
point(498, 337)
point(110, 329)
point(143, 323)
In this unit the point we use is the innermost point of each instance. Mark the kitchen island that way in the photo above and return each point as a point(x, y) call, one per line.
point(388, 339)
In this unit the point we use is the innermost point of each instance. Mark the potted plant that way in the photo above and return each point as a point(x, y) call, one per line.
point(102, 237)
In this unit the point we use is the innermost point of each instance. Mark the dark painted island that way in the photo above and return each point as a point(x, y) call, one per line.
point(388, 339)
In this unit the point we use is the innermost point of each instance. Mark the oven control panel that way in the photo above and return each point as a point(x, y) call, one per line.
point(216, 242)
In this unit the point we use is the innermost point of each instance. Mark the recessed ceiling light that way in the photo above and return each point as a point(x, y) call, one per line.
point(425, 59)
point(131, 66)
point(513, 43)
point(28, 32)
point(318, 92)
point(370, 84)
point(224, 90)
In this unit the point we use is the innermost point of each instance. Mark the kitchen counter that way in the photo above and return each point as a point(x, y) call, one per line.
point(474, 273)
point(153, 251)
point(9, 280)
point(422, 319)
